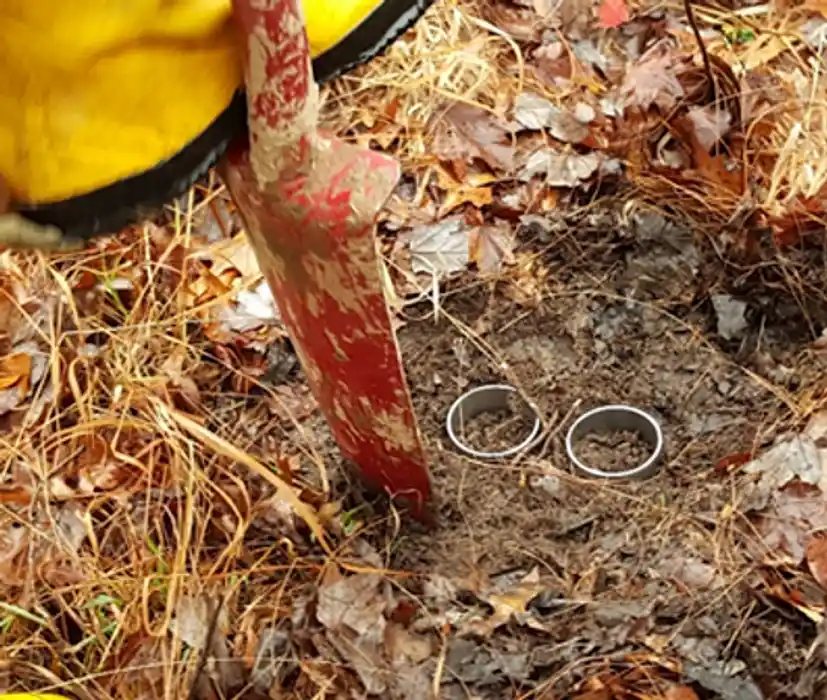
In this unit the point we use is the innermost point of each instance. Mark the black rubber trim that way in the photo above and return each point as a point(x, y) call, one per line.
point(128, 201)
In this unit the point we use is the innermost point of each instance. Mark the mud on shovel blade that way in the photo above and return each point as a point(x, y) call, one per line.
point(309, 204)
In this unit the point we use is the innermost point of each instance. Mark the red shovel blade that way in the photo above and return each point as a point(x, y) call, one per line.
point(315, 240)
point(310, 205)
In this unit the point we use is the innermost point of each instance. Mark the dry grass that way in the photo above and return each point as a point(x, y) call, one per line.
point(165, 501)
point(449, 55)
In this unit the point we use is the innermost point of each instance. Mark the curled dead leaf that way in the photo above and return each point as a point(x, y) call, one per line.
point(473, 189)
point(507, 604)
point(15, 369)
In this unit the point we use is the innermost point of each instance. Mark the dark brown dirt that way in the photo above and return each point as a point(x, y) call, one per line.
point(653, 567)
point(612, 452)
point(497, 431)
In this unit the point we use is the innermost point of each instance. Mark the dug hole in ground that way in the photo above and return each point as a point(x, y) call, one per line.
point(580, 217)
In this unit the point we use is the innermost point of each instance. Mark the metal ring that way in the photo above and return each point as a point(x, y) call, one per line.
point(612, 418)
point(490, 397)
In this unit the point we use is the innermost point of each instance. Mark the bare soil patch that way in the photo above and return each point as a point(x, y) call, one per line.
point(615, 451)
point(657, 568)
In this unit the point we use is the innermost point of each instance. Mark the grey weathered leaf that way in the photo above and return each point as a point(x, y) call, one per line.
point(561, 169)
point(440, 249)
point(352, 609)
point(192, 621)
point(710, 124)
point(731, 316)
point(652, 81)
point(532, 111)
point(797, 457)
point(466, 132)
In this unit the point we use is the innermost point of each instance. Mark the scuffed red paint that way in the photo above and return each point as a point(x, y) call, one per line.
point(309, 204)
point(282, 98)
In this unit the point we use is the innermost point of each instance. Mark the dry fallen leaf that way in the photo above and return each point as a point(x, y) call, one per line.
point(789, 496)
point(440, 249)
point(814, 32)
point(9, 400)
point(14, 541)
point(532, 111)
point(795, 458)
point(816, 554)
point(191, 623)
point(710, 124)
point(20, 372)
point(507, 604)
point(404, 647)
point(763, 49)
point(561, 169)
point(473, 190)
point(819, 6)
point(465, 132)
point(44, 550)
point(234, 253)
point(352, 609)
point(681, 692)
point(652, 81)
point(15, 369)
point(252, 309)
point(475, 196)
point(70, 529)
point(351, 601)
point(691, 571)
point(612, 14)
point(492, 246)
point(787, 526)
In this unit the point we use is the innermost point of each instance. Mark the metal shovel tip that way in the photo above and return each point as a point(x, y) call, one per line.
point(611, 419)
point(487, 399)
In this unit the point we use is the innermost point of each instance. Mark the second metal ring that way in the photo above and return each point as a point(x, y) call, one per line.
point(614, 418)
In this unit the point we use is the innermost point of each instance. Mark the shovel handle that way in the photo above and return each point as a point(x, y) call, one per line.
point(282, 96)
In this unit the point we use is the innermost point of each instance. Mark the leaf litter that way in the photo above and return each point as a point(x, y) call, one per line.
point(116, 505)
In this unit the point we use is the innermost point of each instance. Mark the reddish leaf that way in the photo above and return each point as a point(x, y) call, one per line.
point(404, 612)
point(732, 461)
point(681, 692)
point(612, 13)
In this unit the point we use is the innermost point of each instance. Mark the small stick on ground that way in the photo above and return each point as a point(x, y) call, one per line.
point(713, 84)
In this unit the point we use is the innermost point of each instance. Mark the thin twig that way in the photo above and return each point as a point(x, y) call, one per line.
point(713, 83)
point(205, 655)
